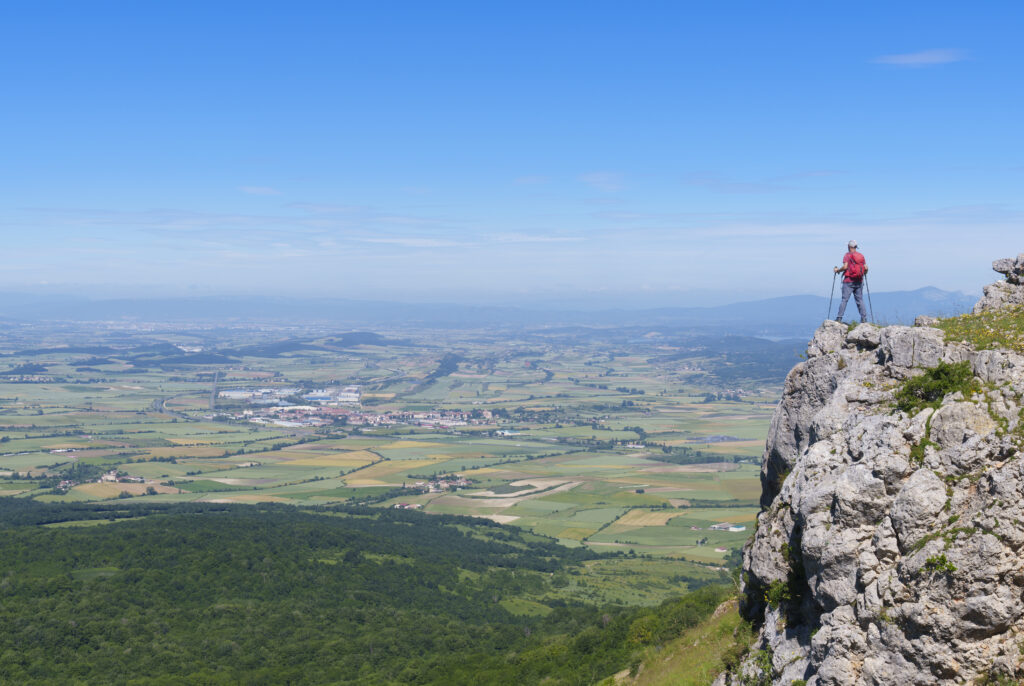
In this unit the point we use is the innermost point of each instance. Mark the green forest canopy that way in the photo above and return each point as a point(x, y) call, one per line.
point(208, 594)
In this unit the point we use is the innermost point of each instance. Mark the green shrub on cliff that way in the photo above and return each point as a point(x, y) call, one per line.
point(928, 389)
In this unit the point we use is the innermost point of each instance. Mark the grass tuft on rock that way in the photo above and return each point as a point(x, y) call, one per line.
point(928, 389)
point(778, 592)
point(939, 563)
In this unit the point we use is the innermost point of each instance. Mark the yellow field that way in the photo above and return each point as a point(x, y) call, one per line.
point(327, 447)
point(647, 518)
point(392, 471)
point(112, 490)
point(409, 444)
point(194, 451)
point(300, 448)
point(279, 456)
point(354, 458)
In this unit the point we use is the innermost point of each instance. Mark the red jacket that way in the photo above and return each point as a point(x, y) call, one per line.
point(850, 258)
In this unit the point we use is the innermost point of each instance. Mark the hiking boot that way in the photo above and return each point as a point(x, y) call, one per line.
point(839, 319)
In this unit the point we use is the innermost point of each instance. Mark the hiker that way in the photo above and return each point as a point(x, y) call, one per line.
point(853, 270)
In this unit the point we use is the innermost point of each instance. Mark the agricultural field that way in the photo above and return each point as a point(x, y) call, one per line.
point(607, 439)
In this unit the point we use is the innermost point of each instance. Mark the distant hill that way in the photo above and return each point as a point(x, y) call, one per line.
point(801, 314)
point(789, 316)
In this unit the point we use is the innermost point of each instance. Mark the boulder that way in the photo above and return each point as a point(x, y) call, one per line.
point(998, 295)
point(907, 347)
point(916, 506)
point(829, 338)
point(1011, 267)
point(956, 422)
point(865, 336)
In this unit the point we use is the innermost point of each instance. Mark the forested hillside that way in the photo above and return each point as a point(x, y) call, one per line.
point(272, 595)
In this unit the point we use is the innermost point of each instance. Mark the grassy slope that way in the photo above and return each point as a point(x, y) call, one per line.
point(697, 657)
point(1003, 328)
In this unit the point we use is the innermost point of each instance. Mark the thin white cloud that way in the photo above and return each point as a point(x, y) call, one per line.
point(924, 58)
point(411, 242)
point(527, 238)
point(259, 190)
point(302, 219)
point(407, 220)
point(323, 208)
point(608, 182)
point(163, 218)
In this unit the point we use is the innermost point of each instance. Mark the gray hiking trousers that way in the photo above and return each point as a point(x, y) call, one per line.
point(856, 288)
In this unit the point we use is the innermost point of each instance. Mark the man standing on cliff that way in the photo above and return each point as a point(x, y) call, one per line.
point(853, 270)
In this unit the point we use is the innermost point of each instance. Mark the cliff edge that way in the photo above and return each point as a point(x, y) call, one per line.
point(889, 546)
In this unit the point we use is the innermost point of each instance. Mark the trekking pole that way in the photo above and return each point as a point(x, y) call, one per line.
point(871, 307)
point(831, 295)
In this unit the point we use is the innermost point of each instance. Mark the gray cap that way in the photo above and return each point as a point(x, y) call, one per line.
point(851, 245)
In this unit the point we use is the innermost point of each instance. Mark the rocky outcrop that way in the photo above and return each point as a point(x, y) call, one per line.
point(890, 546)
point(1004, 293)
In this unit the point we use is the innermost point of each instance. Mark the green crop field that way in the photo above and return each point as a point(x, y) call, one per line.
point(595, 441)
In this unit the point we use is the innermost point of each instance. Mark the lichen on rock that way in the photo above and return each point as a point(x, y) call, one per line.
point(890, 545)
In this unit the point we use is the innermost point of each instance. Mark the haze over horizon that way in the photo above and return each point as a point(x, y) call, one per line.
point(660, 153)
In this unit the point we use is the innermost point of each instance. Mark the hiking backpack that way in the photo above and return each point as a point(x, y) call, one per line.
point(855, 269)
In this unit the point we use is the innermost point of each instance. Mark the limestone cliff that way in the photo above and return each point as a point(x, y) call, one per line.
point(890, 546)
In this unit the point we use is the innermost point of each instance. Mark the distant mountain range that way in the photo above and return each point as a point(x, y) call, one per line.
point(789, 316)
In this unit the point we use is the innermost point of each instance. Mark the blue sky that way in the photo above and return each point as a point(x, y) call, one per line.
point(626, 153)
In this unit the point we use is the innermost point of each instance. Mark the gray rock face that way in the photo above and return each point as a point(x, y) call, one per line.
point(1004, 293)
point(808, 386)
point(999, 294)
point(908, 347)
point(899, 539)
point(828, 339)
point(916, 507)
point(865, 336)
point(1012, 267)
